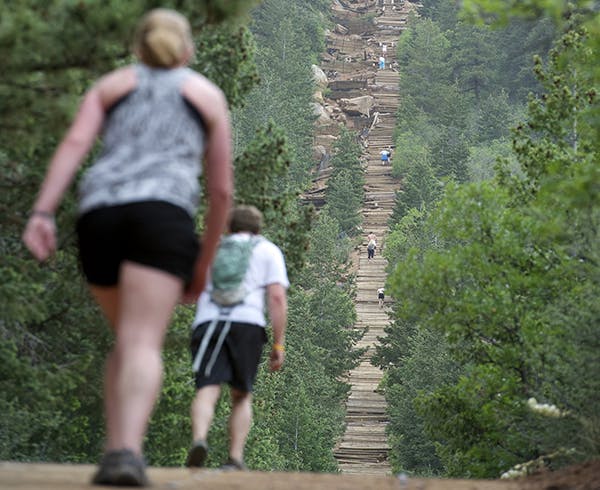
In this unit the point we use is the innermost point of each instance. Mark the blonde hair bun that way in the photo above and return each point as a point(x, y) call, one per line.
point(163, 38)
point(167, 48)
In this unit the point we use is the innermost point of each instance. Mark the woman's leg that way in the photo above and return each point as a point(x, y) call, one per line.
point(108, 299)
point(144, 305)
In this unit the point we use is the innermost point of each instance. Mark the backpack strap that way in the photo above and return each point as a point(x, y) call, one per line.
point(217, 349)
point(203, 345)
point(210, 331)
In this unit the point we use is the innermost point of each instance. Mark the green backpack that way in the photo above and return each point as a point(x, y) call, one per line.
point(229, 269)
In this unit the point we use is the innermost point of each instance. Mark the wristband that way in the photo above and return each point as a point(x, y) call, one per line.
point(279, 347)
point(42, 214)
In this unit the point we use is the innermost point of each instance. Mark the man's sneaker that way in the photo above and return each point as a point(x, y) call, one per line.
point(121, 468)
point(197, 455)
point(234, 465)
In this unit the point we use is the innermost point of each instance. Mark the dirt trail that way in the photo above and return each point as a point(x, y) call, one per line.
point(16, 476)
point(22, 476)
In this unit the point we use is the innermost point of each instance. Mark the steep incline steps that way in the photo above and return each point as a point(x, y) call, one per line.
point(364, 448)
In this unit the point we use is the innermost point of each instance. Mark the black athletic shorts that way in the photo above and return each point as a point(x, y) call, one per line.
point(153, 233)
point(238, 359)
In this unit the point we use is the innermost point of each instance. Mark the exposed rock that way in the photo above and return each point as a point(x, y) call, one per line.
point(321, 113)
point(319, 76)
point(340, 29)
point(325, 140)
point(358, 105)
point(319, 153)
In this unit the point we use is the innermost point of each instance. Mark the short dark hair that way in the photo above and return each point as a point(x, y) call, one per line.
point(245, 218)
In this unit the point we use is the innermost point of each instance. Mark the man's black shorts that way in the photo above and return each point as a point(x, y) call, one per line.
point(237, 362)
point(153, 233)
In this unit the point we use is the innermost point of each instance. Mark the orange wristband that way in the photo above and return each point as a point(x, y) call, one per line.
point(279, 347)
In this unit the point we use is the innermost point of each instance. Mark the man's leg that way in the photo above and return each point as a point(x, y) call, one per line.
point(203, 410)
point(239, 423)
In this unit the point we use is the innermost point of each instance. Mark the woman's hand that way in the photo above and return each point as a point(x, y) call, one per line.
point(197, 285)
point(40, 235)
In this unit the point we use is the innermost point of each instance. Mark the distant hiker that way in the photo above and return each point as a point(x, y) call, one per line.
point(381, 63)
point(161, 125)
point(229, 332)
point(371, 236)
point(371, 246)
point(384, 49)
point(389, 151)
point(380, 296)
point(385, 156)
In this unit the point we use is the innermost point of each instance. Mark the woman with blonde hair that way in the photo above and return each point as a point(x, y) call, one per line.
point(161, 125)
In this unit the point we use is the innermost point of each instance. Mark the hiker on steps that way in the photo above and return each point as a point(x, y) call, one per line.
point(229, 331)
point(371, 245)
point(385, 156)
point(380, 296)
point(138, 246)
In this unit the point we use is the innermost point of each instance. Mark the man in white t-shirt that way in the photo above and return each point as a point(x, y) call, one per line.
point(385, 156)
point(233, 358)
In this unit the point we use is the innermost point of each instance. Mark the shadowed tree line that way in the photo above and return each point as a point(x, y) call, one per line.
point(492, 357)
point(52, 337)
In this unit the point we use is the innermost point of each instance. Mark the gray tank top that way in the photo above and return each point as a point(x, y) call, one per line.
point(153, 143)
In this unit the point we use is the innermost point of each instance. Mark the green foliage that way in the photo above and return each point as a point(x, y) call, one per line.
point(53, 339)
point(265, 164)
point(504, 273)
point(345, 186)
point(417, 363)
point(328, 254)
point(51, 371)
point(484, 159)
point(217, 11)
point(294, 429)
point(556, 134)
point(226, 56)
point(420, 189)
point(411, 149)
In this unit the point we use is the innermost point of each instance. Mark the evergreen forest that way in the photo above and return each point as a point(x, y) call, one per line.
point(492, 356)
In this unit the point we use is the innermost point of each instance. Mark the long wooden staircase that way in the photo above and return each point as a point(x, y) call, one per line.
point(353, 49)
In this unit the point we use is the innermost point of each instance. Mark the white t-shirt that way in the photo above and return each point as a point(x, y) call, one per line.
point(267, 266)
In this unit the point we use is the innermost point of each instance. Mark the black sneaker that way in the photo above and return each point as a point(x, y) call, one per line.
point(121, 468)
point(234, 465)
point(107, 469)
point(197, 455)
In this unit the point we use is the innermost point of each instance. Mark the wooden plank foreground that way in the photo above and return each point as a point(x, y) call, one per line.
point(23, 476)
